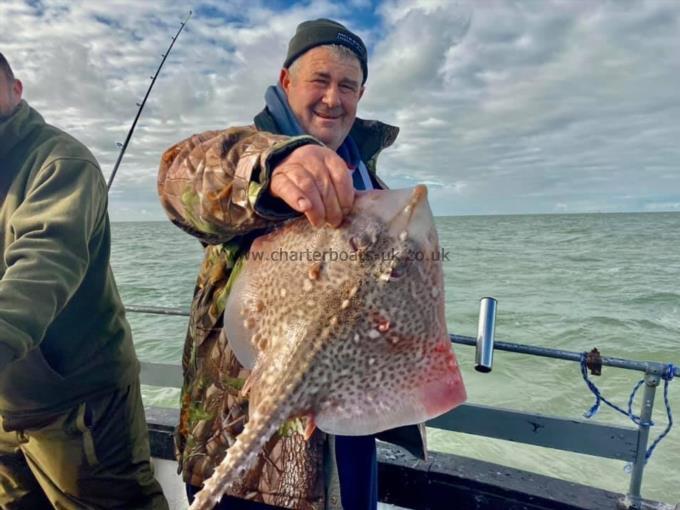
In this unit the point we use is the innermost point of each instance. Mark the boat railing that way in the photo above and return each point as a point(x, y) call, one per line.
point(627, 444)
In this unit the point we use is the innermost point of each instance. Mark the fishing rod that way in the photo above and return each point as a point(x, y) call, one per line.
point(141, 105)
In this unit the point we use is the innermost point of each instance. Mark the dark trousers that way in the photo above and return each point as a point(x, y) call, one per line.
point(358, 472)
point(230, 502)
point(95, 455)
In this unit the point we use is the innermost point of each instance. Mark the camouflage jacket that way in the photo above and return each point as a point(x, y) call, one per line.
point(213, 185)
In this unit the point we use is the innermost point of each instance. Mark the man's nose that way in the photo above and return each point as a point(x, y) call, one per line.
point(331, 98)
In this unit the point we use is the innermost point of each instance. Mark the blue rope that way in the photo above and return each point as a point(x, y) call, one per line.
point(670, 372)
point(599, 398)
point(668, 375)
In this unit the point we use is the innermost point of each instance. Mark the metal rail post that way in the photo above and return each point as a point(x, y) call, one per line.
point(633, 500)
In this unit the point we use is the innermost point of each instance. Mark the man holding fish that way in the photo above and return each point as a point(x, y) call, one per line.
point(306, 154)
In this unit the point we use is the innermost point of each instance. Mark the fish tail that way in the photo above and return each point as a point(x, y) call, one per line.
point(271, 412)
point(240, 457)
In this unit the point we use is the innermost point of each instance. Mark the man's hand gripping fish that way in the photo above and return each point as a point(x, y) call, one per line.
point(344, 326)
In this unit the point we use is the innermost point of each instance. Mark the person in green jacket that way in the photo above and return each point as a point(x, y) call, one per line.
point(72, 427)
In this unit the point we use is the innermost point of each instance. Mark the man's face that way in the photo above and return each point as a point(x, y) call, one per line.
point(323, 93)
point(10, 95)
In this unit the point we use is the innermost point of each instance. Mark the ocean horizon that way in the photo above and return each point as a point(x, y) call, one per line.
point(585, 213)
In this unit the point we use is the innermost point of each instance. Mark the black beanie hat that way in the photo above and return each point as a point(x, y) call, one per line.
point(318, 32)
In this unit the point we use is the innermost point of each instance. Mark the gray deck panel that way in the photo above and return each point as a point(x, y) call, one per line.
point(578, 436)
point(164, 375)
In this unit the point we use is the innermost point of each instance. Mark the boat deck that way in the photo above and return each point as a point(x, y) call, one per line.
point(443, 482)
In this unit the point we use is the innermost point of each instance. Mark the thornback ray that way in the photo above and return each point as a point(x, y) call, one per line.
point(344, 326)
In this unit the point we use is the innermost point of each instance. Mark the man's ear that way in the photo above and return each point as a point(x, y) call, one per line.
point(361, 91)
point(18, 89)
point(284, 79)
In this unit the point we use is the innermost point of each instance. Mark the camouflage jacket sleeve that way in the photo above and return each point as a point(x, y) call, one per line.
point(215, 184)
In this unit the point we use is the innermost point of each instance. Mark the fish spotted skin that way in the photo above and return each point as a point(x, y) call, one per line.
point(356, 342)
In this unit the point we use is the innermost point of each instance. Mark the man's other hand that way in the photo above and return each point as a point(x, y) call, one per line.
point(315, 181)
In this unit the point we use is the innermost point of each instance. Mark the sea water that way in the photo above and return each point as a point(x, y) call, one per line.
point(573, 282)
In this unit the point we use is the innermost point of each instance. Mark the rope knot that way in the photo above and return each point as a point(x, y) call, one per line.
point(670, 372)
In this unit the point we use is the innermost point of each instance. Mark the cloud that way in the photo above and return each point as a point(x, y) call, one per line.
point(546, 102)
point(504, 107)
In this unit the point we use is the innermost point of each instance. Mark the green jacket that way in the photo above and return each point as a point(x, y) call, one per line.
point(63, 332)
point(213, 185)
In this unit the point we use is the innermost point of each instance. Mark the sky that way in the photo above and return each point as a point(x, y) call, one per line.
point(505, 107)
